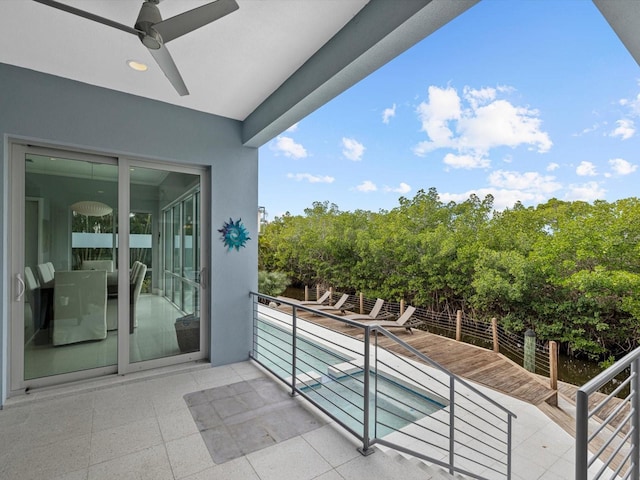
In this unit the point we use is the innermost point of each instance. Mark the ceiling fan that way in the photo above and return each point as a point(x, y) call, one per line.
point(155, 32)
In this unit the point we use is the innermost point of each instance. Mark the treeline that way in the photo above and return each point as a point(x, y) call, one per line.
point(568, 270)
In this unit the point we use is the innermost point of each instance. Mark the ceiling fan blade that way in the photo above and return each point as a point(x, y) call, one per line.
point(88, 15)
point(191, 20)
point(166, 64)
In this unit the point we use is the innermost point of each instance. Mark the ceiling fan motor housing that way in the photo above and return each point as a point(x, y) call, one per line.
point(149, 15)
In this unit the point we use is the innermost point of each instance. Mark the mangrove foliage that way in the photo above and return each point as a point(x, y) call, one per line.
point(568, 270)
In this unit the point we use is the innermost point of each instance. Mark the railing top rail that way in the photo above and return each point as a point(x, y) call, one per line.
point(436, 365)
point(606, 376)
point(310, 309)
point(372, 327)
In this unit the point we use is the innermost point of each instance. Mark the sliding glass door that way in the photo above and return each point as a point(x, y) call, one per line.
point(63, 250)
point(165, 230)
point(107, 266)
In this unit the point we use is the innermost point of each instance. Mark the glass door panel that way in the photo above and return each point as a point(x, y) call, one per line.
point(69, 260)
point(165, 322)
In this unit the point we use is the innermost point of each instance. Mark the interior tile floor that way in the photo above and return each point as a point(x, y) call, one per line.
point(153, 337)
point(141, 427)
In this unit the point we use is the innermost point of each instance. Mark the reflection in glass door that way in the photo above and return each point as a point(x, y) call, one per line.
point(69, 259)
point(82, 306)
point(165, 263)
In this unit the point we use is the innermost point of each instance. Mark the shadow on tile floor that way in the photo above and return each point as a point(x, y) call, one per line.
point(244, 417)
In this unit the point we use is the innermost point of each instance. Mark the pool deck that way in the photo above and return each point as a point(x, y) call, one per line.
point(473, 363)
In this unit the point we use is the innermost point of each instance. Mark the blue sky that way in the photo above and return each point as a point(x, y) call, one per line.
point(524, 99)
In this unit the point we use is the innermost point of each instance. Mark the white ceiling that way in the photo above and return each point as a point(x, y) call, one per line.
point(268, 64)
point(265, 40)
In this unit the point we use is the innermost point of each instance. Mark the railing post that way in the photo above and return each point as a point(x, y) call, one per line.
point(452, 426)
point(509, 445)
point(365, 449)
point(294, 346)
point(306, 293)
point(530, 350)
point(401, 306)
point(635, 419)
point(330, 296)
point(361, 302)
point(553, 365)
point(317, 290)
point(494, 331)
point(582, 434)
point(458, 325)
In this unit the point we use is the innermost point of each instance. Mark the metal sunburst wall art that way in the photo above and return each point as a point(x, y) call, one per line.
point(234, 234)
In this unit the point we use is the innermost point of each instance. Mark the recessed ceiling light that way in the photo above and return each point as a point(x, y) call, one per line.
point(138, 66)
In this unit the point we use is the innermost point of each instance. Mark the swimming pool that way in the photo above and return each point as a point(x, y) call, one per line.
point(272, 346)
point(338, 385)
point(394, 407)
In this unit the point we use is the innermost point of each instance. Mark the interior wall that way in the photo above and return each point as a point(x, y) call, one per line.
point(41, 109)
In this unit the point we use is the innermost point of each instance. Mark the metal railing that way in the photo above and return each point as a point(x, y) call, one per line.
point(609, 426)
point(466, 328)
point(406, 402)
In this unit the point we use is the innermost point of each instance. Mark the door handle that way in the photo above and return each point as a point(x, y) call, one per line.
point(21, 287)
point(203, 278)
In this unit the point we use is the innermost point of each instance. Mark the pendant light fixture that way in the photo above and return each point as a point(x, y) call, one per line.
point(91, 208)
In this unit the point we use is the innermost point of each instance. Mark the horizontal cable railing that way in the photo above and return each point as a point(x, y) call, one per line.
point(415, 407)
point(608, 425)
point(462, 327)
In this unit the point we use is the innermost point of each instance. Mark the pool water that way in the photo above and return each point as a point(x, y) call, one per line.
point(273, 347)
point(395, 406)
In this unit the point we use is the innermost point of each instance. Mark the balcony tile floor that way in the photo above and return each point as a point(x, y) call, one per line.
point(141, 427)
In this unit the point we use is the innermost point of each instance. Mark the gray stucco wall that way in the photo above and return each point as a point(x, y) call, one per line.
point(55, 111)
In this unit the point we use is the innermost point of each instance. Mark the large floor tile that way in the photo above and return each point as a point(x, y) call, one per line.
point(188, 455)
point(148, 464)
point(294, 459)
point(177, 425)
point(48, 461)
point(238, 469)
point(334, 446)
point(122, 440)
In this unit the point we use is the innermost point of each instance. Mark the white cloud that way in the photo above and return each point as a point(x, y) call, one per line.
point(367, 186)
point(587, 192)
point(622, 167)
point(633, 104)
point(531, 182)
point(352, 149)
point(487, 123)
point(502, 124)
point(292, 128)
point(552, 167)
point(388, 114)
point(311, 178)
point(586, 169)
point(479, 97)
point(502, 198)
point(402, 189)
point(288, 147)
point(590, 129)
point(625, 129)
point(467, 162)
point(443, 107)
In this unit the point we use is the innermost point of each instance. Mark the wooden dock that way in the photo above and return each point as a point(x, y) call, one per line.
point(472, 363)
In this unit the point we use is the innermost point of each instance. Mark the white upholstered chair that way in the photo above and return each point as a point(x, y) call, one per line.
point(80, 306)
point(97, 265)
point(138, 272)
point(46, 272)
